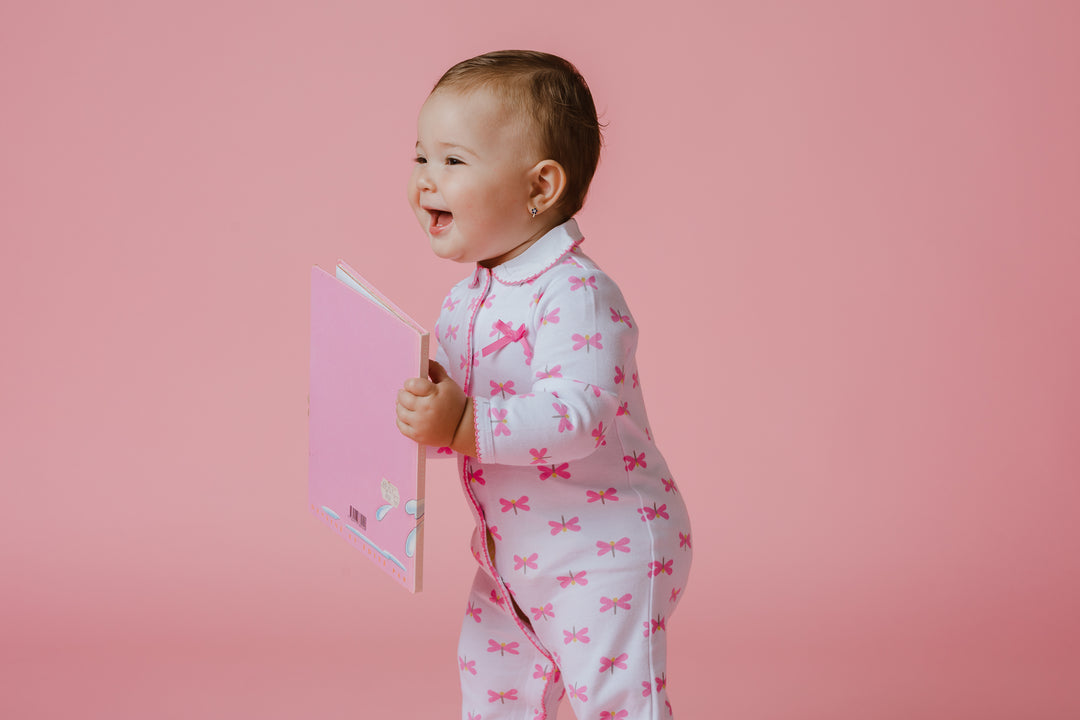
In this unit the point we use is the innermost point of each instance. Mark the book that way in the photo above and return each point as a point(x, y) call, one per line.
point(365, 479)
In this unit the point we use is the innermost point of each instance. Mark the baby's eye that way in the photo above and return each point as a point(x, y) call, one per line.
point(454, 161)
point(419, 160)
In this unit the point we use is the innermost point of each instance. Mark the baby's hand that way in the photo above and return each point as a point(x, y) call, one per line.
point(430, 411)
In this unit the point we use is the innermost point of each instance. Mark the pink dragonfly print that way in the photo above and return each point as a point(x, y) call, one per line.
point(551, 317)
point(587, 341)
point(520, 503)
point(543, 613)
point(494, 530)
point(563, 417)
point(664, 567)
point(555, 372)
point(536, 297)
point(500, 421)
point(542, 672)
point(577, 692)
point(576, 283)
point(624, 409)
point(661, 682)
point(475, 716)
point(451, 332)
point(476, 476)
point(524, 563)
point(466, 665)
point(675, 594)
point(613, 715)
point(657, 626)
point(502, 389)
point(618, 317)
point(613, 604)
point(636, 381)
point(651, 513)
point(602, 495)
point(564, 525)
point(598, 435)
point(572, 578)
point(622, 545)
point(562, 471)
point(619, 376)
point(581, 636)
point(669, 485)
point(634, 460)
point(498, 599)
point(465, 362)
point(646, 688)
point(684, 541)
point(474, 611)
point(502, 696)
point(609, 664)
point(487, 300)
point(503, 648)
point(539, 456)
point(450, 303)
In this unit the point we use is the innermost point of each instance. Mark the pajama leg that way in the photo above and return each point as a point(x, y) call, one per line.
point(503, 675)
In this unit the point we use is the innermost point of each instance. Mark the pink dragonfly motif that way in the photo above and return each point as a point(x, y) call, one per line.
point(552, 317)
point(664, 567)
point(618, 317)
point(576, 283)
point(565, 525)
point(503, 389)
point(577, 692)
point(571, 261)
point(651, 513)
point(614, 604)
point(503, 648)
point(598, 435)
point(669, 712)
point(581, 636)
point(474, 716)
point(669, 485)
point(587, 341)
point(624, 409)
point(536, 297)
point(500, 421)
point(451, 332)
point(562, 471)
point(573, 578)
point(541, 672)
point(543, 613)
point(520, 503)
point(465, 361)
point(636, 381)
point(622, 545)
point(634, 460)
point(619, 376)
point(563, 417)
point(646, 688)
point(589, 386)
point(657, 625)
point(494, 530)
point(609, 664)
point(602, 495)
point(555, 372)
point(661, 682)
point(487, 301)
point(524, 563)
point(612, 715)
point(539, 456)
point(476, 476)
point(675, 594)
point(684, 540)
point(502, 696)
point(467, 665)
point(450, 303)
point(474, 611)
point(498, 599)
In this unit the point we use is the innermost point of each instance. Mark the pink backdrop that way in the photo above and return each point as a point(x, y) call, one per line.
point(849, 232)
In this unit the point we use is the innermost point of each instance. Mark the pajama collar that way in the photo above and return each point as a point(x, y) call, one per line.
point(541, 256)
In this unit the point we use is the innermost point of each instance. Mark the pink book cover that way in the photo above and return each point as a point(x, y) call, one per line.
point(365, 479)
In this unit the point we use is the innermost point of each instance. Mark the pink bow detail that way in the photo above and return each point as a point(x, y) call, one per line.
point(510, 335)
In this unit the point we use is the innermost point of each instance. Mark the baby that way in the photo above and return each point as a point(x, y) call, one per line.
point(582, 537)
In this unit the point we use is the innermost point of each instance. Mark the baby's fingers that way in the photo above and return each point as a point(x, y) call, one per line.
point(419, 386)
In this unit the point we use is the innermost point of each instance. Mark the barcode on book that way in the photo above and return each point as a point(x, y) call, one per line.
point(358, 517)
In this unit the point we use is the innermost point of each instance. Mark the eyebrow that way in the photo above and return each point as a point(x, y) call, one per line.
point(451, 146)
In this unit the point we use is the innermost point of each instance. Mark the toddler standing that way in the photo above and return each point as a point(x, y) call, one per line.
point(582, 537)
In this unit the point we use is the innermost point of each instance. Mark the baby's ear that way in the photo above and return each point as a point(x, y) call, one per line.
point(548, 183)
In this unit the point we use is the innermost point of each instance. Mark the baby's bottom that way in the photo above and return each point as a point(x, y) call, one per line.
point(611, 662)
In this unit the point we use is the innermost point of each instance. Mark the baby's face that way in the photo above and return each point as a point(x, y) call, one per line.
point(470, 186)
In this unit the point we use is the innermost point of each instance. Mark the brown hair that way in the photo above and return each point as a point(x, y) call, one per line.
point(550, 92)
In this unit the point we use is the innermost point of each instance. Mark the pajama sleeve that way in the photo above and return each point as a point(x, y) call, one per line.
point(582, 340)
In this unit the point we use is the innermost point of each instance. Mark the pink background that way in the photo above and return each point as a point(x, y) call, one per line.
point(849, 231)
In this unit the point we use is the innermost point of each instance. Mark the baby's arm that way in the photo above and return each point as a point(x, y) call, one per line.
point(436, 412)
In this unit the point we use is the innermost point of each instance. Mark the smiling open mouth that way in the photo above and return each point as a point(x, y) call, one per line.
point(440, 220)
